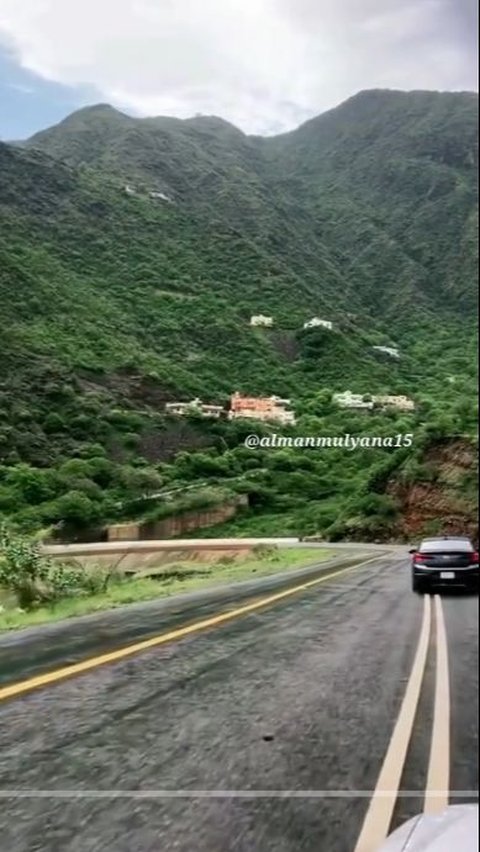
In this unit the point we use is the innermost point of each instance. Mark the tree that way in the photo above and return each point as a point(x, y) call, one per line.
point(322, 403)
point(28, 484)
point(76, 509)
point(22, 567)
point(53, 424)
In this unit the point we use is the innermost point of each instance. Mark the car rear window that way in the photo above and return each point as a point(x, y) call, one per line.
point(454, 544)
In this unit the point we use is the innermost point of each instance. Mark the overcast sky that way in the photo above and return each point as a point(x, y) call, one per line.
point(265, 65)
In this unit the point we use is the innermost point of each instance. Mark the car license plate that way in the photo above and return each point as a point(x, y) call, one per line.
point(447, 575)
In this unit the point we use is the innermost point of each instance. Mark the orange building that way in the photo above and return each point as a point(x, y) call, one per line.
point(260, 408)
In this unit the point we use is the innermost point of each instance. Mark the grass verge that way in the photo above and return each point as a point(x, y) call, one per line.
point(171, 580)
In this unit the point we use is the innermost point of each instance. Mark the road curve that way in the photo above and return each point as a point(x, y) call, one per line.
point(116, 547)
point(267, 732)
point(37, 649)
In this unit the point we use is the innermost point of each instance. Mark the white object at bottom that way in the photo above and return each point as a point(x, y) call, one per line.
point(455, 828)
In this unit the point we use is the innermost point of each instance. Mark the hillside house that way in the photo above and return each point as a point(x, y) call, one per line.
point(352, 400)
point(271, 408)
point(388, 350)
point(358, 401)
point(261, 320)
point(161, 196)
point(316, 322)
point(401, 403)
point(180, 409)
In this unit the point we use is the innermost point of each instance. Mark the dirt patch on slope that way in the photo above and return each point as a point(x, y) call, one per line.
point(448, 504)
point(144, 561)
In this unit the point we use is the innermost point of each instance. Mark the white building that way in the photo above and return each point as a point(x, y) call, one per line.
point(401, 403)
point(260, 319)
point(196, 405)
point(129, 190)
point(286, 418)
point(388, 350)
point(160, 195)
point(352, 400)
point(281, 411)
point(278, 400)
point(315, 322)
point(357, 400)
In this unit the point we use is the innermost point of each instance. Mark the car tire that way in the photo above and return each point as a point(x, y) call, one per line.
point(417, 585)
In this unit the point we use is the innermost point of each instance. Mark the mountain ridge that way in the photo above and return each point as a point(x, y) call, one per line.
point(113, 302)
point(360, 97)
point(247, 177)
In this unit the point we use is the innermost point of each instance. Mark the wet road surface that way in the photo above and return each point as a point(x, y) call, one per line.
point(194, 745)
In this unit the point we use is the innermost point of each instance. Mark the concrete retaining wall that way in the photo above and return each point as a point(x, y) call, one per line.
point(177, 525)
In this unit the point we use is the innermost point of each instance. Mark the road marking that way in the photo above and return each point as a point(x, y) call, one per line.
point(30, 684)
point(210, 794)
point(379, 814)
point(438, 778)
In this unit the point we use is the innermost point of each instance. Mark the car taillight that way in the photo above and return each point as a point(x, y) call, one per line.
point(474, 558)
point(421, 557)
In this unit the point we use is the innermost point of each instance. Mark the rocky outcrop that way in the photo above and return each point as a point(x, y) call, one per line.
point(447, 504)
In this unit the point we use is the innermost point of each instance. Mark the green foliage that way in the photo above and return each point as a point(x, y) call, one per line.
point(35, 579)
point(77, 509)
point(226, 560)
point(69, 581)
point(112, 305)
point(22, 568)
point(265, 551)
point(379, 505)
point(196, 501)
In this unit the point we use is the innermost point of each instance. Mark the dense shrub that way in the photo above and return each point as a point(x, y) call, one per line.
point(35, 578)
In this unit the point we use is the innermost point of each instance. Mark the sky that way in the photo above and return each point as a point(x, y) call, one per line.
point(264, 65)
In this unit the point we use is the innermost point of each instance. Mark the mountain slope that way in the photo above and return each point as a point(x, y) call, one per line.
point(112, 303)
point(407, 162)
point(96, 284)
point(364, 216)
point(387, 175)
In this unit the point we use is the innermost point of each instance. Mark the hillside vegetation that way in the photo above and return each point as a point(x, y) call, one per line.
point(113, 303)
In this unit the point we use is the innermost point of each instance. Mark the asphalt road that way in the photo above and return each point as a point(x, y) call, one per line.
point(37, 649)
point(244, 728)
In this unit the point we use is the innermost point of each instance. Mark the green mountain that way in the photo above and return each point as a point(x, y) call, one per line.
point(387, 174)
point(114, 300)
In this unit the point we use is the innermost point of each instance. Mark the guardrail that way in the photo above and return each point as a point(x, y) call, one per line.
point(79, 549)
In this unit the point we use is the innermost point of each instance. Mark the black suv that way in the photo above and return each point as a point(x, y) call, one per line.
point(445, 561)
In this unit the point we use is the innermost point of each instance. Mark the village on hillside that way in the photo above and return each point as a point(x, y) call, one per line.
point(275, 409)
point(259, 320)
point(266, 321)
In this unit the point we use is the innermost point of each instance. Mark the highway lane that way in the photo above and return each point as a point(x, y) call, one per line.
point(301, 696)
point(37, 649)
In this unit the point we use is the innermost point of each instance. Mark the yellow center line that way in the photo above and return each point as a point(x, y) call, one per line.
point(438, 778)
point(21, 687)
point(379, 815)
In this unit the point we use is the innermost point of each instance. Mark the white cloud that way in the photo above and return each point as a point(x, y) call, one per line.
point(265, 65)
